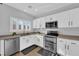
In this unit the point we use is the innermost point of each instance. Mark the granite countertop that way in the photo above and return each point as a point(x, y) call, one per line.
point(61, 35)
point(6, 37)
point(69, 37)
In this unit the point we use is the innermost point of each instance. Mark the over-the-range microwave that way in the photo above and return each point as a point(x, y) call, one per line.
point(53, 24)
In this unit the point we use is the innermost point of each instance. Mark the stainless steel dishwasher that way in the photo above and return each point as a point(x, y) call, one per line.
point(11, 46)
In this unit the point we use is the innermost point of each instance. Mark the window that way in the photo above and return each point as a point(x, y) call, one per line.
point(24, 27)
point(14, 26)
point(19, 26)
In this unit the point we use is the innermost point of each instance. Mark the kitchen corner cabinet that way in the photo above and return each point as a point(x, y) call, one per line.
point(40, 40)
point(67, 47)
point(29, 40)
point(26, 41)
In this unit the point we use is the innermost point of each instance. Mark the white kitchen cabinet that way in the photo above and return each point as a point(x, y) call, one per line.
point(39, 23)
point(29, 40)
point(11, 46)
point(26, 41)
point(40, 40)
point(63, 19)
point(67, 47)
point(42, 23)
point(61, 46)
point(36, 23)
point(73, 48)
point(68, 19)
point(74, 17)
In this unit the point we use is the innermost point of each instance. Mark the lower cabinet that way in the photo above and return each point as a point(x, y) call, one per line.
point(27, 41)
point(11, 46)
point(73, 49)
point(40, 41)
point(67, 47)
point(61, 46)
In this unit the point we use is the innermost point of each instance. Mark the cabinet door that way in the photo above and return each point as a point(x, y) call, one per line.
point(74, 48)
point(42, 23)
point(10, 46)
point(23, 43)
point(34, 24)
point(39, 40)
point(61, 46)
point(30, 39)
point(63, 20)
point(74, 17)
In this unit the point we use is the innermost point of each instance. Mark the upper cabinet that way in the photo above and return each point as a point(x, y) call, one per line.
point(40, 22)
point(63, 19)
point(68, 19)
point(74, 17)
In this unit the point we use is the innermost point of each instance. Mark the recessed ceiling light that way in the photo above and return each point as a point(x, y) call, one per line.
point(29, 6)
point(36, 9)
point(24, 10)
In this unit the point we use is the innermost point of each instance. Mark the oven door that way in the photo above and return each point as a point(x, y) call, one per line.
point(50, 44)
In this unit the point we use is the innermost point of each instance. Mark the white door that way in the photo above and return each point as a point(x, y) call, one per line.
point(41, 41)
point(74, 17)
point(42, 23)
point(74, 48)
point(61, 46)
point(34, 23)
point(62, 20)
point(24, 42)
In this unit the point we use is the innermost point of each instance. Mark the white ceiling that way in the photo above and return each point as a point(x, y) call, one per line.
point(38, 9)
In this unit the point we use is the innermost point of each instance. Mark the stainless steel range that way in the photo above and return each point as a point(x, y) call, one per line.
point(50, 41)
